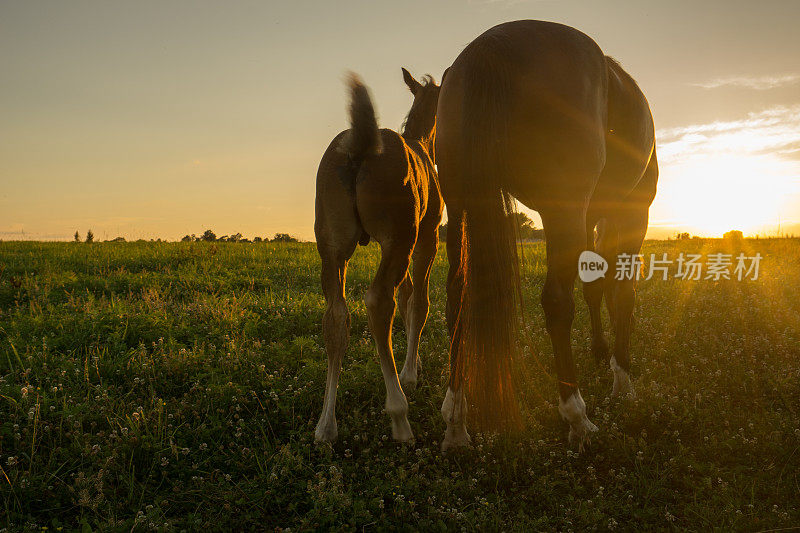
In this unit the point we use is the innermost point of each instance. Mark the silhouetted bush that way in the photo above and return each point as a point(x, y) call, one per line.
point(526, 229)
point(89, 237)
point(208, 236)
point(733, 236)
point(283, 237)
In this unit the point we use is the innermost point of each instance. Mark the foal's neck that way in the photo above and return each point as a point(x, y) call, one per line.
point(426, 142)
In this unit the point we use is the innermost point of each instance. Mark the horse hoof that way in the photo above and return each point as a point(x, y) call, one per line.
point(581, 433)
point(326, 433)
point(401, 431)
point(460, 439)
point(409, 385)
point(622, 381)
point(573, 410)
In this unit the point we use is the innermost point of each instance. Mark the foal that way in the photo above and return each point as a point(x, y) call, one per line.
point(377, 184)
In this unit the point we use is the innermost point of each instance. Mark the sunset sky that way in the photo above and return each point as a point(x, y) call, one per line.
point(158, 119)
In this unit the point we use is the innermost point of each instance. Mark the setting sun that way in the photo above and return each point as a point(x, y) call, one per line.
point(717, 193)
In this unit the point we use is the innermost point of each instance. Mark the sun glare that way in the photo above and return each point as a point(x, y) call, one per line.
point(711, 194)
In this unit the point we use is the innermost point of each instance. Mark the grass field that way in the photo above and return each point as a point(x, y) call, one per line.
point(175, 386)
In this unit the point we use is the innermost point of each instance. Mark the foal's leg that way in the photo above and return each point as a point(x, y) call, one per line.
point(565, 237)
point(380, 301)
point(632, 226)
point(418, 303)
point(335, 331)
point(454, 407)
point(404, 300)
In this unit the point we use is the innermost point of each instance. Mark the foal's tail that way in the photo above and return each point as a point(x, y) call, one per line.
point(364, 138)
point(488, 321)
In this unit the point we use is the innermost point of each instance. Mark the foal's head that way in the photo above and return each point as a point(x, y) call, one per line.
point(420, 124)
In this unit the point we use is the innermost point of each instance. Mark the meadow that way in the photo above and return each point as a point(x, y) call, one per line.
point(176, 386)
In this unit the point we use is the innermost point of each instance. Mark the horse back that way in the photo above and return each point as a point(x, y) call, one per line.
point(398, 184)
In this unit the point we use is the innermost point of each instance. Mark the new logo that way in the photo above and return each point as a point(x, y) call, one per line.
point(591, 266)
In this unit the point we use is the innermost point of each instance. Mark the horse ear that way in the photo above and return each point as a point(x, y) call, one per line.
point(413, 84)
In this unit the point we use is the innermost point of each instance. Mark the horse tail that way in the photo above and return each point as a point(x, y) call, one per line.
point(364, 138)
point(488, 317)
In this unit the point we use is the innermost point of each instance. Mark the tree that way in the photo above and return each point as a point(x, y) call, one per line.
point(236, 237)
point(733, 236)
point(257, 239)
point(89, 237)
point(283, 237)
point(526, 229)
point(187, 238)
point(208, 236)
point(77, 236)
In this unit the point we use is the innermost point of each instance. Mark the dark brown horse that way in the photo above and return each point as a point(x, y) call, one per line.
point(535, 111)
point(381, 185)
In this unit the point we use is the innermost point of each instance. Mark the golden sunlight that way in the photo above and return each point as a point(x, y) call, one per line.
point(714, 193)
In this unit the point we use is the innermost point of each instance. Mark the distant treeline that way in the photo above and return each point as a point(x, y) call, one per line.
point(526, 231)
point(207, 236)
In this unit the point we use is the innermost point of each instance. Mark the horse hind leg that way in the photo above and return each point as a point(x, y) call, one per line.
point(632, 228)
point(454, 406)
point(565, 238)
point(418, 303)
point(380, 302)
point(404, 292)
point(335, 331)
point(593, 295)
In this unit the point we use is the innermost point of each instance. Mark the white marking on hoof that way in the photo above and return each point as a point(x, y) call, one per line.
point(622, 382)
point(454, 414)
point(326, 431)
point(456, 440)
point(574, 412)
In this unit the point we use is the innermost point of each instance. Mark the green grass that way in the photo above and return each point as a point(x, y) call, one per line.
point(176, 387)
